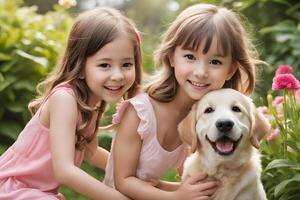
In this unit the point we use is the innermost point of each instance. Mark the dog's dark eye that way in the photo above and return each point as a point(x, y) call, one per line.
point(208, 110)
point(236, 109)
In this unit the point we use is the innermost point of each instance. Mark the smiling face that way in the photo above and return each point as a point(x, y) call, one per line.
point(224, 121)
point(110, 72)
point(198, 72)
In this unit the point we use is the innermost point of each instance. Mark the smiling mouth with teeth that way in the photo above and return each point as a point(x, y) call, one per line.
point(224, 145)
point(113, 88)
point(197, 84)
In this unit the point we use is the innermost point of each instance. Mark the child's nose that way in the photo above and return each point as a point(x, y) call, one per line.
point(117, 74)
point(201, 70)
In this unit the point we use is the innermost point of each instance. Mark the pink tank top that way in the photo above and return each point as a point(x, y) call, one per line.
point(154, 160)
point(26, 168)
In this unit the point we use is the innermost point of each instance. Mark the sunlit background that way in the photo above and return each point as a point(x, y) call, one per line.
point(33, 34)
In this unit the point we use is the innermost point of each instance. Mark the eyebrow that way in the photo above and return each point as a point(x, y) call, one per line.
point(109, 59)
point(214, 55)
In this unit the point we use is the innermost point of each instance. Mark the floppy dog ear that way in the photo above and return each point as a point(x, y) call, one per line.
point(187, 129)
point(260, 126)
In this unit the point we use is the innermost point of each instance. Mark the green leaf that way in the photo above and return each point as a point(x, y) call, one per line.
point(278, 163)
point(15, 107)
point(4, 57)
point(7, 82)
point(39, 60)
point(284, 26)
point(1, 77)
point(11, 95)
point(25, 84)
point(6, 66)
point(10, 129)
point(280, 188)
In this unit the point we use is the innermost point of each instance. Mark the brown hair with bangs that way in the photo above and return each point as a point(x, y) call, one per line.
point(91, 31)
point(201, 23)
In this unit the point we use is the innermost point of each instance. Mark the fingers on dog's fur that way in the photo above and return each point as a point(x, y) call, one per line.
point(187, 129)
point(260, 126)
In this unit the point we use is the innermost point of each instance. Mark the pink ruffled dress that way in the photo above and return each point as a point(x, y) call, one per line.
point(26, 169)
point(154, 160)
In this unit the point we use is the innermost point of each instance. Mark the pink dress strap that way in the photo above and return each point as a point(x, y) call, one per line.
point(145, 114)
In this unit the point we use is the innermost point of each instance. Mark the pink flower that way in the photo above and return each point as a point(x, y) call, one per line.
point(298, 93)
point(273, 135)
point(285, 81)
point(284, 69)
point(262, 109)
point(277, 101)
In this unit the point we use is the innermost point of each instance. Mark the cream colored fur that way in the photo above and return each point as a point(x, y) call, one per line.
point(239, 172)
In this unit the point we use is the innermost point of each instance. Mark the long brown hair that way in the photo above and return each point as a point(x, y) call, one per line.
point(90, 32)
point(200, 23)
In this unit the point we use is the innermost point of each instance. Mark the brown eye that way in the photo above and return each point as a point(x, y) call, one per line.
point(209, 110)
point(236, 109)
point(190, 57)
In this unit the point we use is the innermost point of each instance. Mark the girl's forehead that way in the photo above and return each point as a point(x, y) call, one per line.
point(213, 45)
point(204, 34)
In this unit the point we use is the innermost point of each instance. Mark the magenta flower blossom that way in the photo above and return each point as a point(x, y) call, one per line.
point(284, 69)
point(298, 93)
point(273, 134)
point(277, 101)
point(285, 81)
point(262, 109)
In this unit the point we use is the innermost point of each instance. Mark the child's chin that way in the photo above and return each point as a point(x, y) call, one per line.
point(113, 99)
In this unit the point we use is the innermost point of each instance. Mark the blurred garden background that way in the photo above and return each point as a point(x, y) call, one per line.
point(33, 35)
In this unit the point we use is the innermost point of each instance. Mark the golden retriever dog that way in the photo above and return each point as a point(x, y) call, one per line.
point(222, 129)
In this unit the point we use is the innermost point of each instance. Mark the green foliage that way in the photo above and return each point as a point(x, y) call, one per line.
point(278, 35)
point(281, 150)
point(30, 45)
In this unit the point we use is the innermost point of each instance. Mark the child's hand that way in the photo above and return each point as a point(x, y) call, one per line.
point(196, 188)
point(153, 182)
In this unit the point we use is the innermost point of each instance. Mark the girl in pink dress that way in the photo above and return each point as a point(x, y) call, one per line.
point(101, 64)
point(204, 49)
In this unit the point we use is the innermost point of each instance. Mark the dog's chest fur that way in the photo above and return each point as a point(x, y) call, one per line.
point(233, 178)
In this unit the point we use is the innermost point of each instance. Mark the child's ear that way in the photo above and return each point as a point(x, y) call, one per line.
point(171, 59)
point(187, 129)
point(232, 71)
point(81, 75)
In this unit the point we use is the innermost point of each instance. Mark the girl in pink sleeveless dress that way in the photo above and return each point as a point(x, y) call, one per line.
point(101, 64)
point(204, 49)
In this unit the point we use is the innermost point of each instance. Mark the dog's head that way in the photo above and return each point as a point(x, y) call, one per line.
point(222, 121)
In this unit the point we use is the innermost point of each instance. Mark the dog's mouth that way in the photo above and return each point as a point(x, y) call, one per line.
point(224, 145)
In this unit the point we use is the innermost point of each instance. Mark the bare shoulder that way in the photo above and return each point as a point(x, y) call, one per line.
point(63, 104)
point(62, 98)
point(129, 122)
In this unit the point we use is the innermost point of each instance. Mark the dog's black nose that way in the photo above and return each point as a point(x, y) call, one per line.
point(224, 125)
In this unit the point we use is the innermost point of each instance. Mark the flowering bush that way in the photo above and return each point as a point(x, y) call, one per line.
point(281, 149)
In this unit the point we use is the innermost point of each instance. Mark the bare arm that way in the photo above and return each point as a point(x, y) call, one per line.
point(95, 155)
point(127, 146)
point(63, 117)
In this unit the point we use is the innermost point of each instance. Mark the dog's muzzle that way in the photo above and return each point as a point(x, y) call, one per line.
point(224, 126)
point(224, 145)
